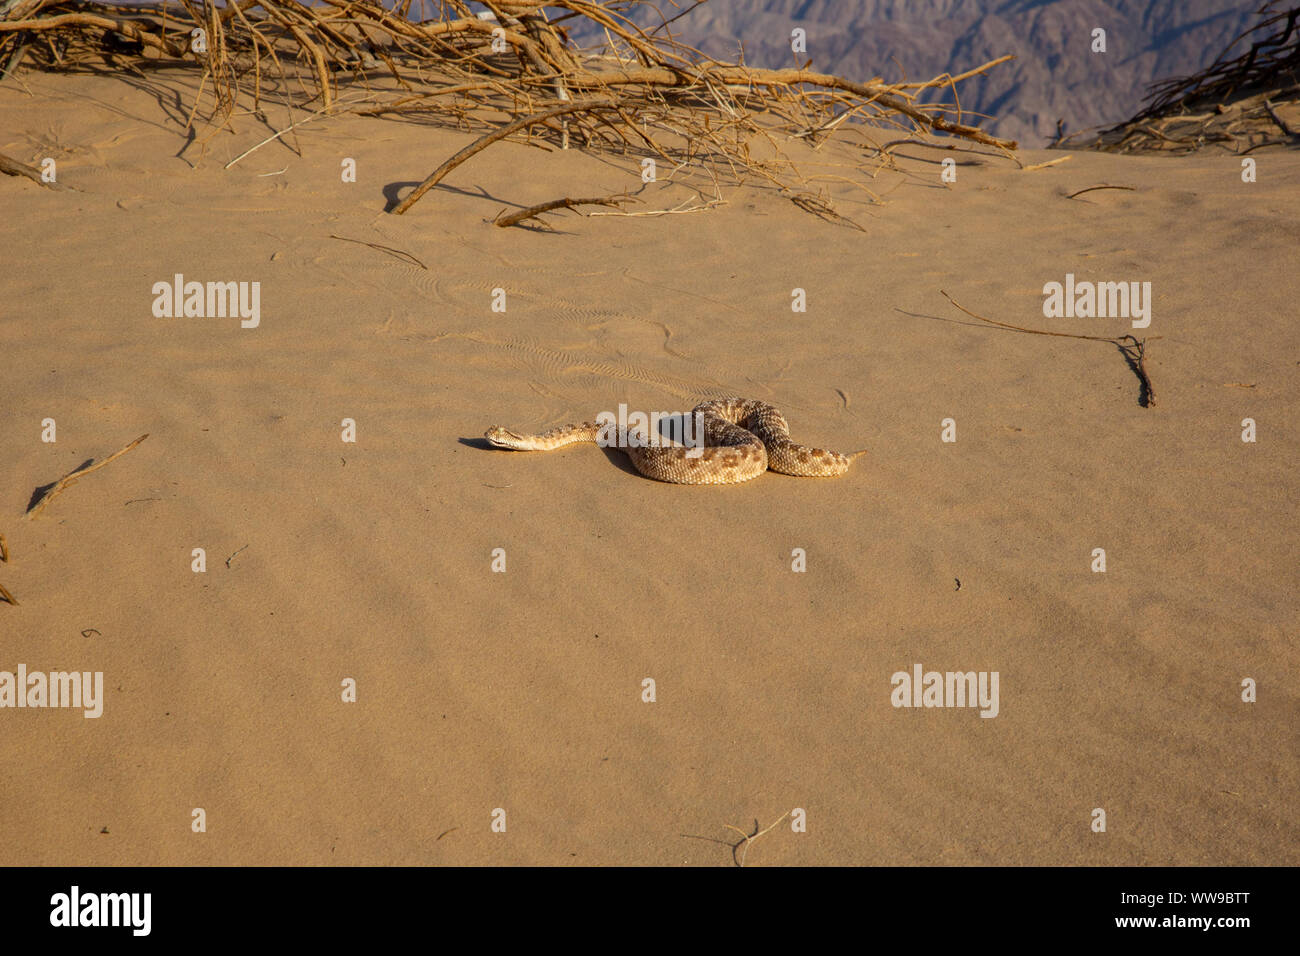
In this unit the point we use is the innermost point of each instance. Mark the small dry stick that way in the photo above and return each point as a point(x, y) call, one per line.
point(4, 556)
point(323, 111)
point(1138, 350)
point(1050, 162)
point(1091, 188)
point(486, 141)
point(71, 478)
point(382, 248)
point(818, 207)
point(12, 167)
point(1134, 350)
point(748, 838)
point(680, 208)
point(517, 217)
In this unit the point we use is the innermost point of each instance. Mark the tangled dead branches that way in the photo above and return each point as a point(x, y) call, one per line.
point(1240, 102)
point(512, 65)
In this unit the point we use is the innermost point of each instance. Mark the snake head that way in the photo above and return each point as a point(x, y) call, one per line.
point(499, 437)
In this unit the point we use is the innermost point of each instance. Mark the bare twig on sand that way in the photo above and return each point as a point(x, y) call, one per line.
point(484, 142)
point(324, 111)
point(1091, 188)
point(405, 256)
point(12, 167)
point(72, 477)
point(683, 207)
point(821, 208)
point(4, 556)
point(514, 218)
point(1050, 162)
point(1133, 349)
point(747, 838)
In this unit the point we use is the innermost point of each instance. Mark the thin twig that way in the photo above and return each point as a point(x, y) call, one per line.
point(819, 207)
point(519, 216)
point(748, 838)
point(1134, 350)
point(389, 249)
point(1137, 351)
point(1091, 188)
point(72, 477)
point(271, 139)
point(486, 141)
point(680, 209)
point(1050, 162)
point(12, 167)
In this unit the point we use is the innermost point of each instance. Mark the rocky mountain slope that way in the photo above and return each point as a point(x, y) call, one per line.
point(1055, 74)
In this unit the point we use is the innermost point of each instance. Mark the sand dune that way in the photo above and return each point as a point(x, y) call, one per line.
point(523, 690)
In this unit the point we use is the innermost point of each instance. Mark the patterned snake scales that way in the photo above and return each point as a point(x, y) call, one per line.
point(742, 439)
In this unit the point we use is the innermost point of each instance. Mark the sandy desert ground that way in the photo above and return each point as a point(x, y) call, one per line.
point(479, 690)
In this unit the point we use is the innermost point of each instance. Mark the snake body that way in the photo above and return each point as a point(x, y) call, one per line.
point(742, 438)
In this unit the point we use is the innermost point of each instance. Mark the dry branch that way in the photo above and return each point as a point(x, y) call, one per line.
point(1092, 188)
point(1133, 349)
point(486, 141)
point(747, 838)
point(11, 167)
point(1050, 162)
point(1232, 103)
point(647, 94)
point(514, 218)
point(121, 27)
point(682, 208)
point(323, 111)
point(398, 253)
point(71, 477)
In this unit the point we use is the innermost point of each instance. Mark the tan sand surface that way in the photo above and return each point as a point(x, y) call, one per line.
point(523, 690)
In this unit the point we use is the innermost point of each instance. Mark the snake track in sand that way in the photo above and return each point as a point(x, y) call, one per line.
point(742, 438)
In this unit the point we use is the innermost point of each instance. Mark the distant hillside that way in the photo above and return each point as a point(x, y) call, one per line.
point(1054, 75)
